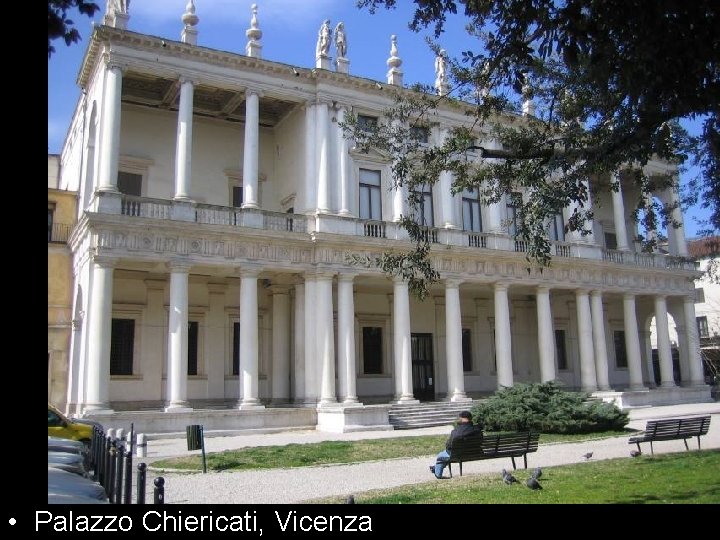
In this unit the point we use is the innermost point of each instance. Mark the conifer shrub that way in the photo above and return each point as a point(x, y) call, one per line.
point(547, 408)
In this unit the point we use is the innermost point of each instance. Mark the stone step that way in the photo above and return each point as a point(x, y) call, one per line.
point(428, 414)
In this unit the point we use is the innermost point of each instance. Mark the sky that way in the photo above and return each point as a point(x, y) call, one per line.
point(290, 29)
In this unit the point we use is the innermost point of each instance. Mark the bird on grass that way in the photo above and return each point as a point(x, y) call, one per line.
point(532, 483)
point(508, 478)
point(588, 455)
point(537, 473)
point(635, 453)
point(350, 499)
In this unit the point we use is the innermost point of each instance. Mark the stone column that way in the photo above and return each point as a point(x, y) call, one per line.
point(299, 344)
point(399, 193)
point(576, 236)
point(445, 185)
point(663, 342)
point(585, 337)
point(323, 166)
point(183, 146)
point(619, 215)
point(546, 338)
point(312, 373)
point(310, 179)
point(280, 344)
point(177, 358)
point(251, 149)
point(325, 338)
point(600, 345)
point(402, 353)
point(249, 347)
point(343, 165)
point(453, 342)
point(697, 375)
point(632, 343)
point(110, 141)
point(346, 339)
point(97, 396)
point(503, 340)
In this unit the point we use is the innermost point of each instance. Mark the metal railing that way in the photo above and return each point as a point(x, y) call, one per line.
point(374, 229)
point(59, 233)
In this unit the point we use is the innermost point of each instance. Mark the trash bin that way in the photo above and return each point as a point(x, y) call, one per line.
point(194, 437)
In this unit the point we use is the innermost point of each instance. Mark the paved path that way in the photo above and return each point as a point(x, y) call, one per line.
point(276, 486)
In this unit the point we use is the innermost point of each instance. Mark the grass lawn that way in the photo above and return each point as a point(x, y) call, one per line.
point(685, 477)
point(324, 453)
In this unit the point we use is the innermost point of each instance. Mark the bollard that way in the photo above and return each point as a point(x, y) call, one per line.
point(141, 445)
point(131, 437)
point(141, 476)
point(119, 434)
point(105, 468)
point(127, 490)
point(159, 491)
point(119, 462)
point(110, 479)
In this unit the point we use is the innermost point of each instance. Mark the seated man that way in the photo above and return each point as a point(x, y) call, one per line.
point(463, 429)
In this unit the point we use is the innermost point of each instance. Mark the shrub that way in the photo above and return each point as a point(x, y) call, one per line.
point(546, 408)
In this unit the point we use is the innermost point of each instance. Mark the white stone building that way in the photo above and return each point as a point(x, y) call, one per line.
point(218, 203)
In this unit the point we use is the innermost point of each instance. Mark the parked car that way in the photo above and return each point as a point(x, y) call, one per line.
point(64, 485)
point(63, 427)
point(70, 462)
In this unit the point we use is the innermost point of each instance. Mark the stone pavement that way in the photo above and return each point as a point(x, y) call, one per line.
point(276, 486)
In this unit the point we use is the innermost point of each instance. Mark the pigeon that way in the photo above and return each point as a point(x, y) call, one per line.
point(588, 455)
point(532, 483)
point(635, 453)
point(537, 473)
point(350, 499)
point(508, 478)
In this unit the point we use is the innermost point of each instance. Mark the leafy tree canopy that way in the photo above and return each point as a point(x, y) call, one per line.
point(60, 26)
point(609, 81)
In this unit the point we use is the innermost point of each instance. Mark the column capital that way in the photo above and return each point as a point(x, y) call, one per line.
point(543, 289)
point(399, 280)
point(178, 266)
point(629, 296)
point(182, 79)
point(324, 100)
point(104, 261)
point(596, 293)
point(661, 297)
point(115, 64)
point(250, 91)
point(347, 276)
point(324, 275)
point(501, 286)
point(452, 283)
point(582, 292)
point(341, 106)
point(249, 272)
point(689, 299)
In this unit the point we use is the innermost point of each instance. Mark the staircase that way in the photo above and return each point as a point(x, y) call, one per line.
point(427, 414)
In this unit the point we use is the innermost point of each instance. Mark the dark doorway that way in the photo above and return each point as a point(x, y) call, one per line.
point(422, 367)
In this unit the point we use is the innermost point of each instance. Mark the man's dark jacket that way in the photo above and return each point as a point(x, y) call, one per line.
point(462, 431)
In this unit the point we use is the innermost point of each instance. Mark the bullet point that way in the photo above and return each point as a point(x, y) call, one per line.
point(13, 521)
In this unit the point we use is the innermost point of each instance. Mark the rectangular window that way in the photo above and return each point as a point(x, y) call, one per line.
point(620, 352)
point(237, 196)
point(372, 350)
point(424, 215)
point(560, 349)
point(514, 200)
point(366, 123)
point(192, 348)
point(129, 183)
point(467, 349)
point(122, 345)
point(236, 349)
point(370, 206)
point(610, 240)
point(472, 220)
point(420, 133)
point(556, 230)
point(51, 216)
point(703, 330)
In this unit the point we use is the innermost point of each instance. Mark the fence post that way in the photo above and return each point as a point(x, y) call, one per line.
point(141, 445)
point(141, 476)
point(110, 484)
point(127, 492)
point(119, 462)
point(159, 491)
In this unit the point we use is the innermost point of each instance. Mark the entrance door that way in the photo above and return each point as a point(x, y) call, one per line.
point(422, 367)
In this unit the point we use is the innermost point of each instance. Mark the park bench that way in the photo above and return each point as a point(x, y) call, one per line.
point(492, 446)
point(672, 429)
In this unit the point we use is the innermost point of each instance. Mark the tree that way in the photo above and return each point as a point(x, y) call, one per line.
point(60, 26)
point(609, 80)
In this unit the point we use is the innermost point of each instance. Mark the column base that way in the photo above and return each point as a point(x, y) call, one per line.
point(250, 405)
point(667, 385)
point(459, 398)
point(178, 407)
point(405, 401)
point(351, 402)
point(96, 409)
point(327, 403)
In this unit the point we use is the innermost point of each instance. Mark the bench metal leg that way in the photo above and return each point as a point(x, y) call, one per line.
point(652, 452)
point(638, 445)
point(698, 437)
point(525, 459)
point(686, 445)
point(450, 468)
point(461, 468)
point(513, 461)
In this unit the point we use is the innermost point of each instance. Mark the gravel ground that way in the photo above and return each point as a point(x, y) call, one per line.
point(278, 486)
